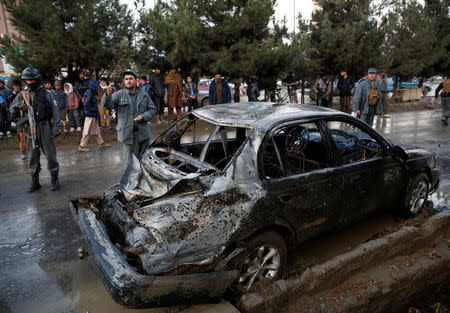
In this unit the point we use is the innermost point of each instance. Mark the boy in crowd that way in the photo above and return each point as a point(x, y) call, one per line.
point(61, 101)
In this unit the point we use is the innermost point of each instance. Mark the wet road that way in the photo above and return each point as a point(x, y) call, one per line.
point(40, 270)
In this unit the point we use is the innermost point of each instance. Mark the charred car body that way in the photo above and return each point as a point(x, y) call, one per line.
point(204, 210)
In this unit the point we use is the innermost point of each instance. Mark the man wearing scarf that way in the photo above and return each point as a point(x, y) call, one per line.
point(219, 91)
point(104, 114)
point(91, 118)
point(174, 91)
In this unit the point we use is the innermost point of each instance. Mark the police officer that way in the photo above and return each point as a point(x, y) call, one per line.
point(42, 105)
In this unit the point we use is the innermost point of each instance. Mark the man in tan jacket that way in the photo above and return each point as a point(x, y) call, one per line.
point(174, 87)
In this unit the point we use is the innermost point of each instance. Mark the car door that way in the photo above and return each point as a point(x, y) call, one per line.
point(370, 177)
point(296, 174)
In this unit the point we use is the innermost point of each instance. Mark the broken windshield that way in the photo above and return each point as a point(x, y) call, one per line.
point(194, 145)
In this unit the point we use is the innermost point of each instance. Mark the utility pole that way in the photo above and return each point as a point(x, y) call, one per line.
point(294, 17)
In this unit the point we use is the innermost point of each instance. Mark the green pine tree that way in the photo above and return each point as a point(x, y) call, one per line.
point(344, 35)
point(233, 37)
point(56, 34)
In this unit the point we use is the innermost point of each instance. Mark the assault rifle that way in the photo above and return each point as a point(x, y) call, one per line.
point(31, 121)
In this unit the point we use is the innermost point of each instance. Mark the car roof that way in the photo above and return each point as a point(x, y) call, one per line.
point(260, 115)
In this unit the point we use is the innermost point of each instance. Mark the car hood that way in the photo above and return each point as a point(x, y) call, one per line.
point(415, 152)
point(150, 178)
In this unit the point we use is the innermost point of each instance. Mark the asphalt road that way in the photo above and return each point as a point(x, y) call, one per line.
point(40, 270)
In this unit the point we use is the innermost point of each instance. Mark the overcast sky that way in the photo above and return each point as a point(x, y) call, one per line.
point(288, 8)
point(283, 8)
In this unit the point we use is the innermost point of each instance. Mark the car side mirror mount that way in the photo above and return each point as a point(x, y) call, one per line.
point(398, 152)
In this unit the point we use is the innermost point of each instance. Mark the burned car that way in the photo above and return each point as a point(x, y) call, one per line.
point(217, 199)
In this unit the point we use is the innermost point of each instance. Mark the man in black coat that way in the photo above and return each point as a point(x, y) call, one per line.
point(157, 87)
point(252, 89)
point(345, 85)
point(79, 87)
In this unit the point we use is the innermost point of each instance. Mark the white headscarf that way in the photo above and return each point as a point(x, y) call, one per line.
point(70, 88)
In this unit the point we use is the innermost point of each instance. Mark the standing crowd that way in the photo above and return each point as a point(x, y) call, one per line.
point(39, 113)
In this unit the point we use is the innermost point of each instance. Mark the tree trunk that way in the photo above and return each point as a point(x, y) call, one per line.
point(70, 73)
point(302, 97)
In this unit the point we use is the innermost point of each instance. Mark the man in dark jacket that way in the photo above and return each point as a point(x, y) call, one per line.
point(80, 86)
point(19, 118)
point(252, 89)
point(345, 85)
point(40, 105)
point(61, 100)
point(157, 86)
point(219, 91)
point(4, 107)
point(191, 92)
point(291, 81)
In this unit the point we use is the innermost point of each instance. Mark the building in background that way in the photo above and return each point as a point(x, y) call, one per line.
point(6, 29)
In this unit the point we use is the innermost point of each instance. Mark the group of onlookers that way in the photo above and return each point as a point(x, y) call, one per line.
point(370, 94)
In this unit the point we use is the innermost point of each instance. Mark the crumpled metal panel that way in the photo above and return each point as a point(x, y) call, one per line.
point(150, 178)
point(193, 229)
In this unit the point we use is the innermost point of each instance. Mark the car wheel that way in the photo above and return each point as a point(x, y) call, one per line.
point(204, 102)
point(416, 195)
point(264, 258)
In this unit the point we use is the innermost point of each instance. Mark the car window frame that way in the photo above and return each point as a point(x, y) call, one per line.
point(268, 135)
point(385, 145)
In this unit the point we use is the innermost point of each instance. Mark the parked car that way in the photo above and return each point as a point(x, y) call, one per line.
point(412, 83)
point(216, 200)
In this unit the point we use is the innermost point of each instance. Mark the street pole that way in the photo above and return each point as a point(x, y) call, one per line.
point(294, 17)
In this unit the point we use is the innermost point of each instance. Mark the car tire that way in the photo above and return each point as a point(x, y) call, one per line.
point(416, 195)
point(264, 258)
point(204, 102)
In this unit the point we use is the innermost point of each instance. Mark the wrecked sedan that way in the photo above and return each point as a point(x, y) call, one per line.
point(217, 199)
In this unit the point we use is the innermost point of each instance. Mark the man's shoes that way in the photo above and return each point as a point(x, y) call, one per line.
point(1, 135)
point(444, 121)
point(55, 183)
point(78, 129)
point(24, 156)
point(65, 130)
point(83, 149)
point(8, 134)
point(71, 129)
point(105, 146)
point(34, 183)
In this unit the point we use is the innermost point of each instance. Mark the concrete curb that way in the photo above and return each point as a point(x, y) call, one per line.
point(402, 242)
